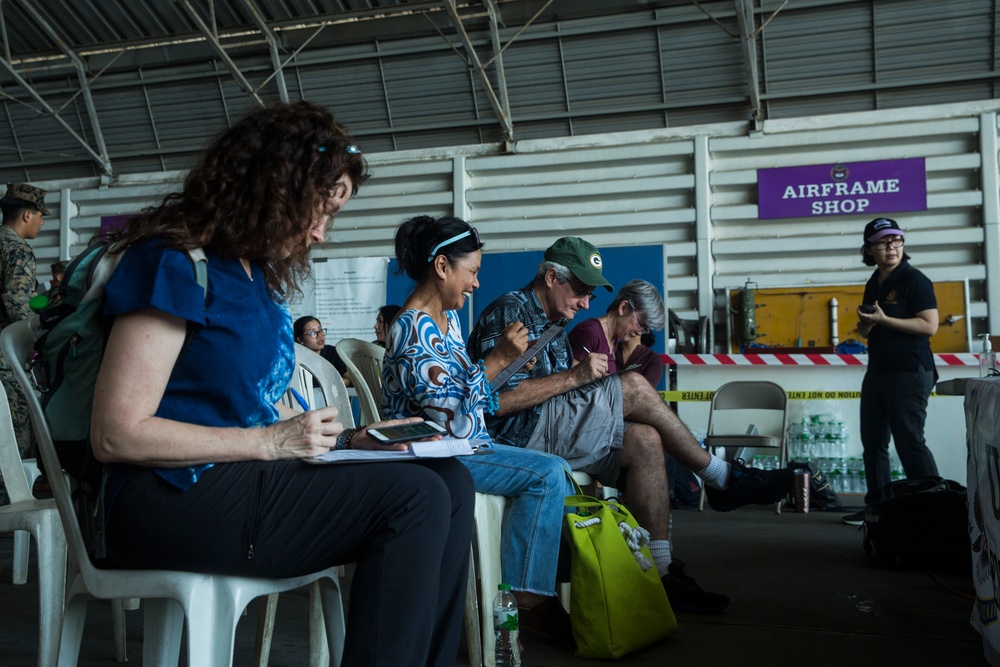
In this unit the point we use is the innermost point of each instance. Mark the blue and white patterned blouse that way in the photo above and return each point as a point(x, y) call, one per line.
point(427, 373)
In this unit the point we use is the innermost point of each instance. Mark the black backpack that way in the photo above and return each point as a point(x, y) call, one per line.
point(921, 522)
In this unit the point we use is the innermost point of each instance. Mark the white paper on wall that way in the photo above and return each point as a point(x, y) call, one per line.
point(345, 295)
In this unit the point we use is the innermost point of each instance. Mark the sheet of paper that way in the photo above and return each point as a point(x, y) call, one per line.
point(345, 294)
point(424, 449)
point(441, 448)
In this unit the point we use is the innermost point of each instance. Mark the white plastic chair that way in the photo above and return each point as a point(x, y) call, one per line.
point(22, 538)
point(486, 566)
point(331, 385)
point(742, 405)
point(211, 604)
point(22, 542)
point(27, 515)
point(364, 361)
point(309, 366)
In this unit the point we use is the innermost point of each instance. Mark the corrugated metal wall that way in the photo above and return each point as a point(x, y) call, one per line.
point(692, 190)
point(636, 69)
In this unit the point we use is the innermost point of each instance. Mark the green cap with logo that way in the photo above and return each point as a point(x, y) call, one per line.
point(581, 258)
point(29, 193)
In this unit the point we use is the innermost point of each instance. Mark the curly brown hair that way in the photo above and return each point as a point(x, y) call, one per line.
point(261, 181)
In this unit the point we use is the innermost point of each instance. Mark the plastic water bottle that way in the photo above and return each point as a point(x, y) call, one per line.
point(807, 441)
point(856, 475)
point(821, 438)
point(505, 627)
point(836, 480)
point(795, 441)
point(37, 304)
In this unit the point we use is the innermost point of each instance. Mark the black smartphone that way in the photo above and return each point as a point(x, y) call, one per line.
point(388, 435)
point(866, 308)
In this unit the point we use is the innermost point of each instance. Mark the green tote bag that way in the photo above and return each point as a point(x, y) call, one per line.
point(616, 606)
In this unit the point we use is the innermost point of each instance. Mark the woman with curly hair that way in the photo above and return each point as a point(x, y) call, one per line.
point(205, 465)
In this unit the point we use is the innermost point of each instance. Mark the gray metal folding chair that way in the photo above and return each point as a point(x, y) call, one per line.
point(747, 415)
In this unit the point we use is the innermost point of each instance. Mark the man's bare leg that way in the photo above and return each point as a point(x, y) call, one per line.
point(648, 495)
point(727, 486)
point(643, 405)
point(649, 501)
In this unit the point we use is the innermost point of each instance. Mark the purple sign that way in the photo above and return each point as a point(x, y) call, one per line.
point(113, 223)
point(857, 188)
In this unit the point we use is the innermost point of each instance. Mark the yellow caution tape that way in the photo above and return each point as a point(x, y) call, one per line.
point(705, 396)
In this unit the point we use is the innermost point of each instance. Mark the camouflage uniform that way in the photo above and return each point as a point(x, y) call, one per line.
point(17, 286)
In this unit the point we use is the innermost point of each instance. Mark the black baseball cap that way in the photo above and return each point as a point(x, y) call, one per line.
point(880, 227)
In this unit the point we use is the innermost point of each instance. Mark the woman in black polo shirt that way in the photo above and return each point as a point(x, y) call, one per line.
point(898, 315)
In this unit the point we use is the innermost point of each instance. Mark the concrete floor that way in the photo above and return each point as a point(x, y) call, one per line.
point(803, 593)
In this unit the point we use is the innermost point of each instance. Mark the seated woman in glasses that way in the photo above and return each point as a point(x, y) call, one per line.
point(310, 333)
point(635, 310)
point(428, 373)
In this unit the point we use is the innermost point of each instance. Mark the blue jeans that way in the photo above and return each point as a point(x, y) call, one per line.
point(894, 404)
point(536, 483)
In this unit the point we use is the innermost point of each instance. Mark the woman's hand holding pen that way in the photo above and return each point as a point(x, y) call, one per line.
point(314, 432)
point(306, 434)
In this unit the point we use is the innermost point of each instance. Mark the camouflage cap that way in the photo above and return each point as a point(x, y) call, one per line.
point(28, 193)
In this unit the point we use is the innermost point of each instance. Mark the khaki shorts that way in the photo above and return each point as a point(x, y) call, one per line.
point(585, 426)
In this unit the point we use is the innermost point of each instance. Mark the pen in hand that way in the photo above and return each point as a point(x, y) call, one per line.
point(299, 399)
point(585, 349)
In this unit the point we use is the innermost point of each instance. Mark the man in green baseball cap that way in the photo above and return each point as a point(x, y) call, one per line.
point(581, 258)
point(605, 424)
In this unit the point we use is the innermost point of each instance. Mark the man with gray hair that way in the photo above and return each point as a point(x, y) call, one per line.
point(605, 423)
point(23, 206)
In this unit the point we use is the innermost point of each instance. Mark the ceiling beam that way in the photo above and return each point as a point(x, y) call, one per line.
point(213, 40)
point(500, 108)
point(101, 160)
point(101, 154)
point(748, 38)
point(272, 44)
point(497, 60)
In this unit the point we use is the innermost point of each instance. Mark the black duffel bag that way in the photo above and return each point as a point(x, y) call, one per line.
point(921, 522)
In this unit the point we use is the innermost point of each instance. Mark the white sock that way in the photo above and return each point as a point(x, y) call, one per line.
point(716, 473)
point(661, 555)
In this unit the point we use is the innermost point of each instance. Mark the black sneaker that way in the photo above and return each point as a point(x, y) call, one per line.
point(750, 485)
point(547, 620)
point(856, 519)
point(685, 594)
